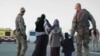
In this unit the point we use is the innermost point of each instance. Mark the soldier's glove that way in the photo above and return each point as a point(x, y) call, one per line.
point(22, 34)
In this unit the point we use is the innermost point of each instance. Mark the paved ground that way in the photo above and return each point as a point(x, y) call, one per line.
point(9, 49)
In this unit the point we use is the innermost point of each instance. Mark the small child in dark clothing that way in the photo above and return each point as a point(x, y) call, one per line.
point(67, 45)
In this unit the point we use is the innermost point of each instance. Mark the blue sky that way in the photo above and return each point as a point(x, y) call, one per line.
point(63, 10)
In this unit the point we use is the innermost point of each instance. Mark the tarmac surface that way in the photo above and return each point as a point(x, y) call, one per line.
point(10, 49)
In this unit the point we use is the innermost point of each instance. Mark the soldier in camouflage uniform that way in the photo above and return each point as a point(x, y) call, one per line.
point(80, 24)
point(21, 33)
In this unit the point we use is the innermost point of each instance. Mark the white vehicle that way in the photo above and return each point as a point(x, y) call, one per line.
point(32, 36)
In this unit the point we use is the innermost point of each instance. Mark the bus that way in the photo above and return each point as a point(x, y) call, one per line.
point(6, 35)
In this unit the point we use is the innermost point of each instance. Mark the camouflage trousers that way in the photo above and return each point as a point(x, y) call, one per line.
point(82, 40)
point(22, 44)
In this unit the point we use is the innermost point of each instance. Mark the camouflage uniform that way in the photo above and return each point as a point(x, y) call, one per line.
point(81, 25)
point(21, 35)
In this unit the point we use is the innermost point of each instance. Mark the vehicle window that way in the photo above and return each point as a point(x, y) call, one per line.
point(7, 33)
point(32, 33)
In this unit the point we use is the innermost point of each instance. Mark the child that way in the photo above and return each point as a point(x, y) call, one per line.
point(56, 37)
point(68, 46)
